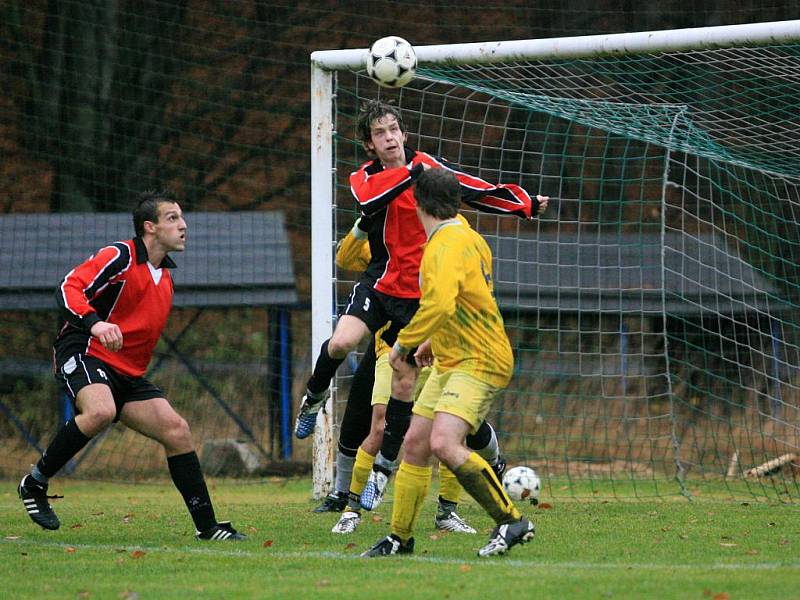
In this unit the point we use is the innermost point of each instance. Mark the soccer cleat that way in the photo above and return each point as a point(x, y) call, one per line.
point(307, 417)
point(372, 495)
point(507, 535)
point(220, 532)
point(333, 502)
point(450, 521)
point(388, 546)
point(34, 497)
point(499, 467)
point(347, 522)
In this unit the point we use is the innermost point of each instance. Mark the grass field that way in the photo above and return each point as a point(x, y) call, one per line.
point(136, 541)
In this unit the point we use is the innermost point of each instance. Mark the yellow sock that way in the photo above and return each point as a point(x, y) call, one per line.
point(410, 489)
point(481, 483)
point(361, 469)
point(449, 488)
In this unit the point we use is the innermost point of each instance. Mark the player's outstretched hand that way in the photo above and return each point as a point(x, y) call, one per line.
point(543, 200)
point(108, 334)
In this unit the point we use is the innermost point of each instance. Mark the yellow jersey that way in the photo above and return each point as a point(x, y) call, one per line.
point(457, 309)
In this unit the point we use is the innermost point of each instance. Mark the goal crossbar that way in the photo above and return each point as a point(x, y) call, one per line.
point(774, 32)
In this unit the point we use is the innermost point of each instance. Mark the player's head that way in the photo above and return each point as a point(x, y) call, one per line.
point(438, 193)
point(382, 132)
point(147, 208)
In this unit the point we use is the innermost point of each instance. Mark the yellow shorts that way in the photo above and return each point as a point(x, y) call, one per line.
point(456, 393)
point(382, 388)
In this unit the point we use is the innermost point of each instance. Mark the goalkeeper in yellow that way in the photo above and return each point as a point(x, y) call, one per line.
point(473, 362)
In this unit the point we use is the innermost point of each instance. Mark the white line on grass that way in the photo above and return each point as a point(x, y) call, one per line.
point(206, 549)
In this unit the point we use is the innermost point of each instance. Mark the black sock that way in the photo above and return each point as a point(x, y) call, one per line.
point(324, 371)
point(188, 478)
point(68, 442)
point(481, 438)
point(398, 418)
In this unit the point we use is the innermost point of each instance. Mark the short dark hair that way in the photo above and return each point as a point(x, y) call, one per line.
point(147, 207)
point(438, 193)
point(372, 110)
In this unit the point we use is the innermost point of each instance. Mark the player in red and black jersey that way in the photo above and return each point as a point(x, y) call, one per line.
point(115, 306)
point(389, 288)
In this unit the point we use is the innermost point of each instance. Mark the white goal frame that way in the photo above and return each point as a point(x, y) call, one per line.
point(325, 62)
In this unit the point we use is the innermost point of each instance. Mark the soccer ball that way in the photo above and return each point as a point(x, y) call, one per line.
point(522, 483)
point(391, 62)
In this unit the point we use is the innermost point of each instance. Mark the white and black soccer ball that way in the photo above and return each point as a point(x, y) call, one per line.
point(522, 483)
point(391, 62)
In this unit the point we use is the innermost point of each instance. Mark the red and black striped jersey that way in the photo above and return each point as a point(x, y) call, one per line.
point(119, 286)
point(396, 236)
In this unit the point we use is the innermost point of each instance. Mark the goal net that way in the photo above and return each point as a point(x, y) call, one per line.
point(653, 309)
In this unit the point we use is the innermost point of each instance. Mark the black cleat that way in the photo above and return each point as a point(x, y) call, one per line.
point(507, 535)
point(388, 546)
point(220, 532)
point(34, 496)
point(333, 502)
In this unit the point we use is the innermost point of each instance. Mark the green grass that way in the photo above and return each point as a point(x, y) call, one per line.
point(129, 541)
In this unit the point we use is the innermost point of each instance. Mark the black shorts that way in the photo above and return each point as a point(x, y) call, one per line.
point(80, 370)
point(376, 309)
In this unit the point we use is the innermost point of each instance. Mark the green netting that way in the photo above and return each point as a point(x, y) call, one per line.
point(653, 309)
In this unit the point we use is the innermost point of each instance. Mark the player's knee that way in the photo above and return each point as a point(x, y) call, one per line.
point(441, 446)
point(403, 388)
point(177, 434)
point(339, 347)
point(97, 418)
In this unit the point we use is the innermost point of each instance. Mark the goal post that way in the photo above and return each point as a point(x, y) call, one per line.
point(653, 308)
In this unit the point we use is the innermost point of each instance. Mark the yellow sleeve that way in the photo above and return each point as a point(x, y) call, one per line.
point(440, 282)
point(352, 253)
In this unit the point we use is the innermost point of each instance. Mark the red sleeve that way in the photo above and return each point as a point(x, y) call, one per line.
point(89, 279)
point(375, 191)
point(502, 198)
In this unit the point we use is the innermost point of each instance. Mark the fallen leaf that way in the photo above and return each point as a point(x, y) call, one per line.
point(126, 595)
point(70, 550)
point(728, 545)
point(376, 518)
point(137, 554)
point(783, 541)
point(434, 536)
point(707, 592)
point(465, 568)
point(683, 536)
point(84, 594)
point(267, 544)
point(323, 583)
point(251, 529)
point(752, 552)
point(98, 514)
point(722, 596)
point(76, 526)
point(350, 546)
point(545, 506)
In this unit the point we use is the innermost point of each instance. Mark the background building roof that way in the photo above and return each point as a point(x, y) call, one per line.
point(623, 273)
point(231, 259)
